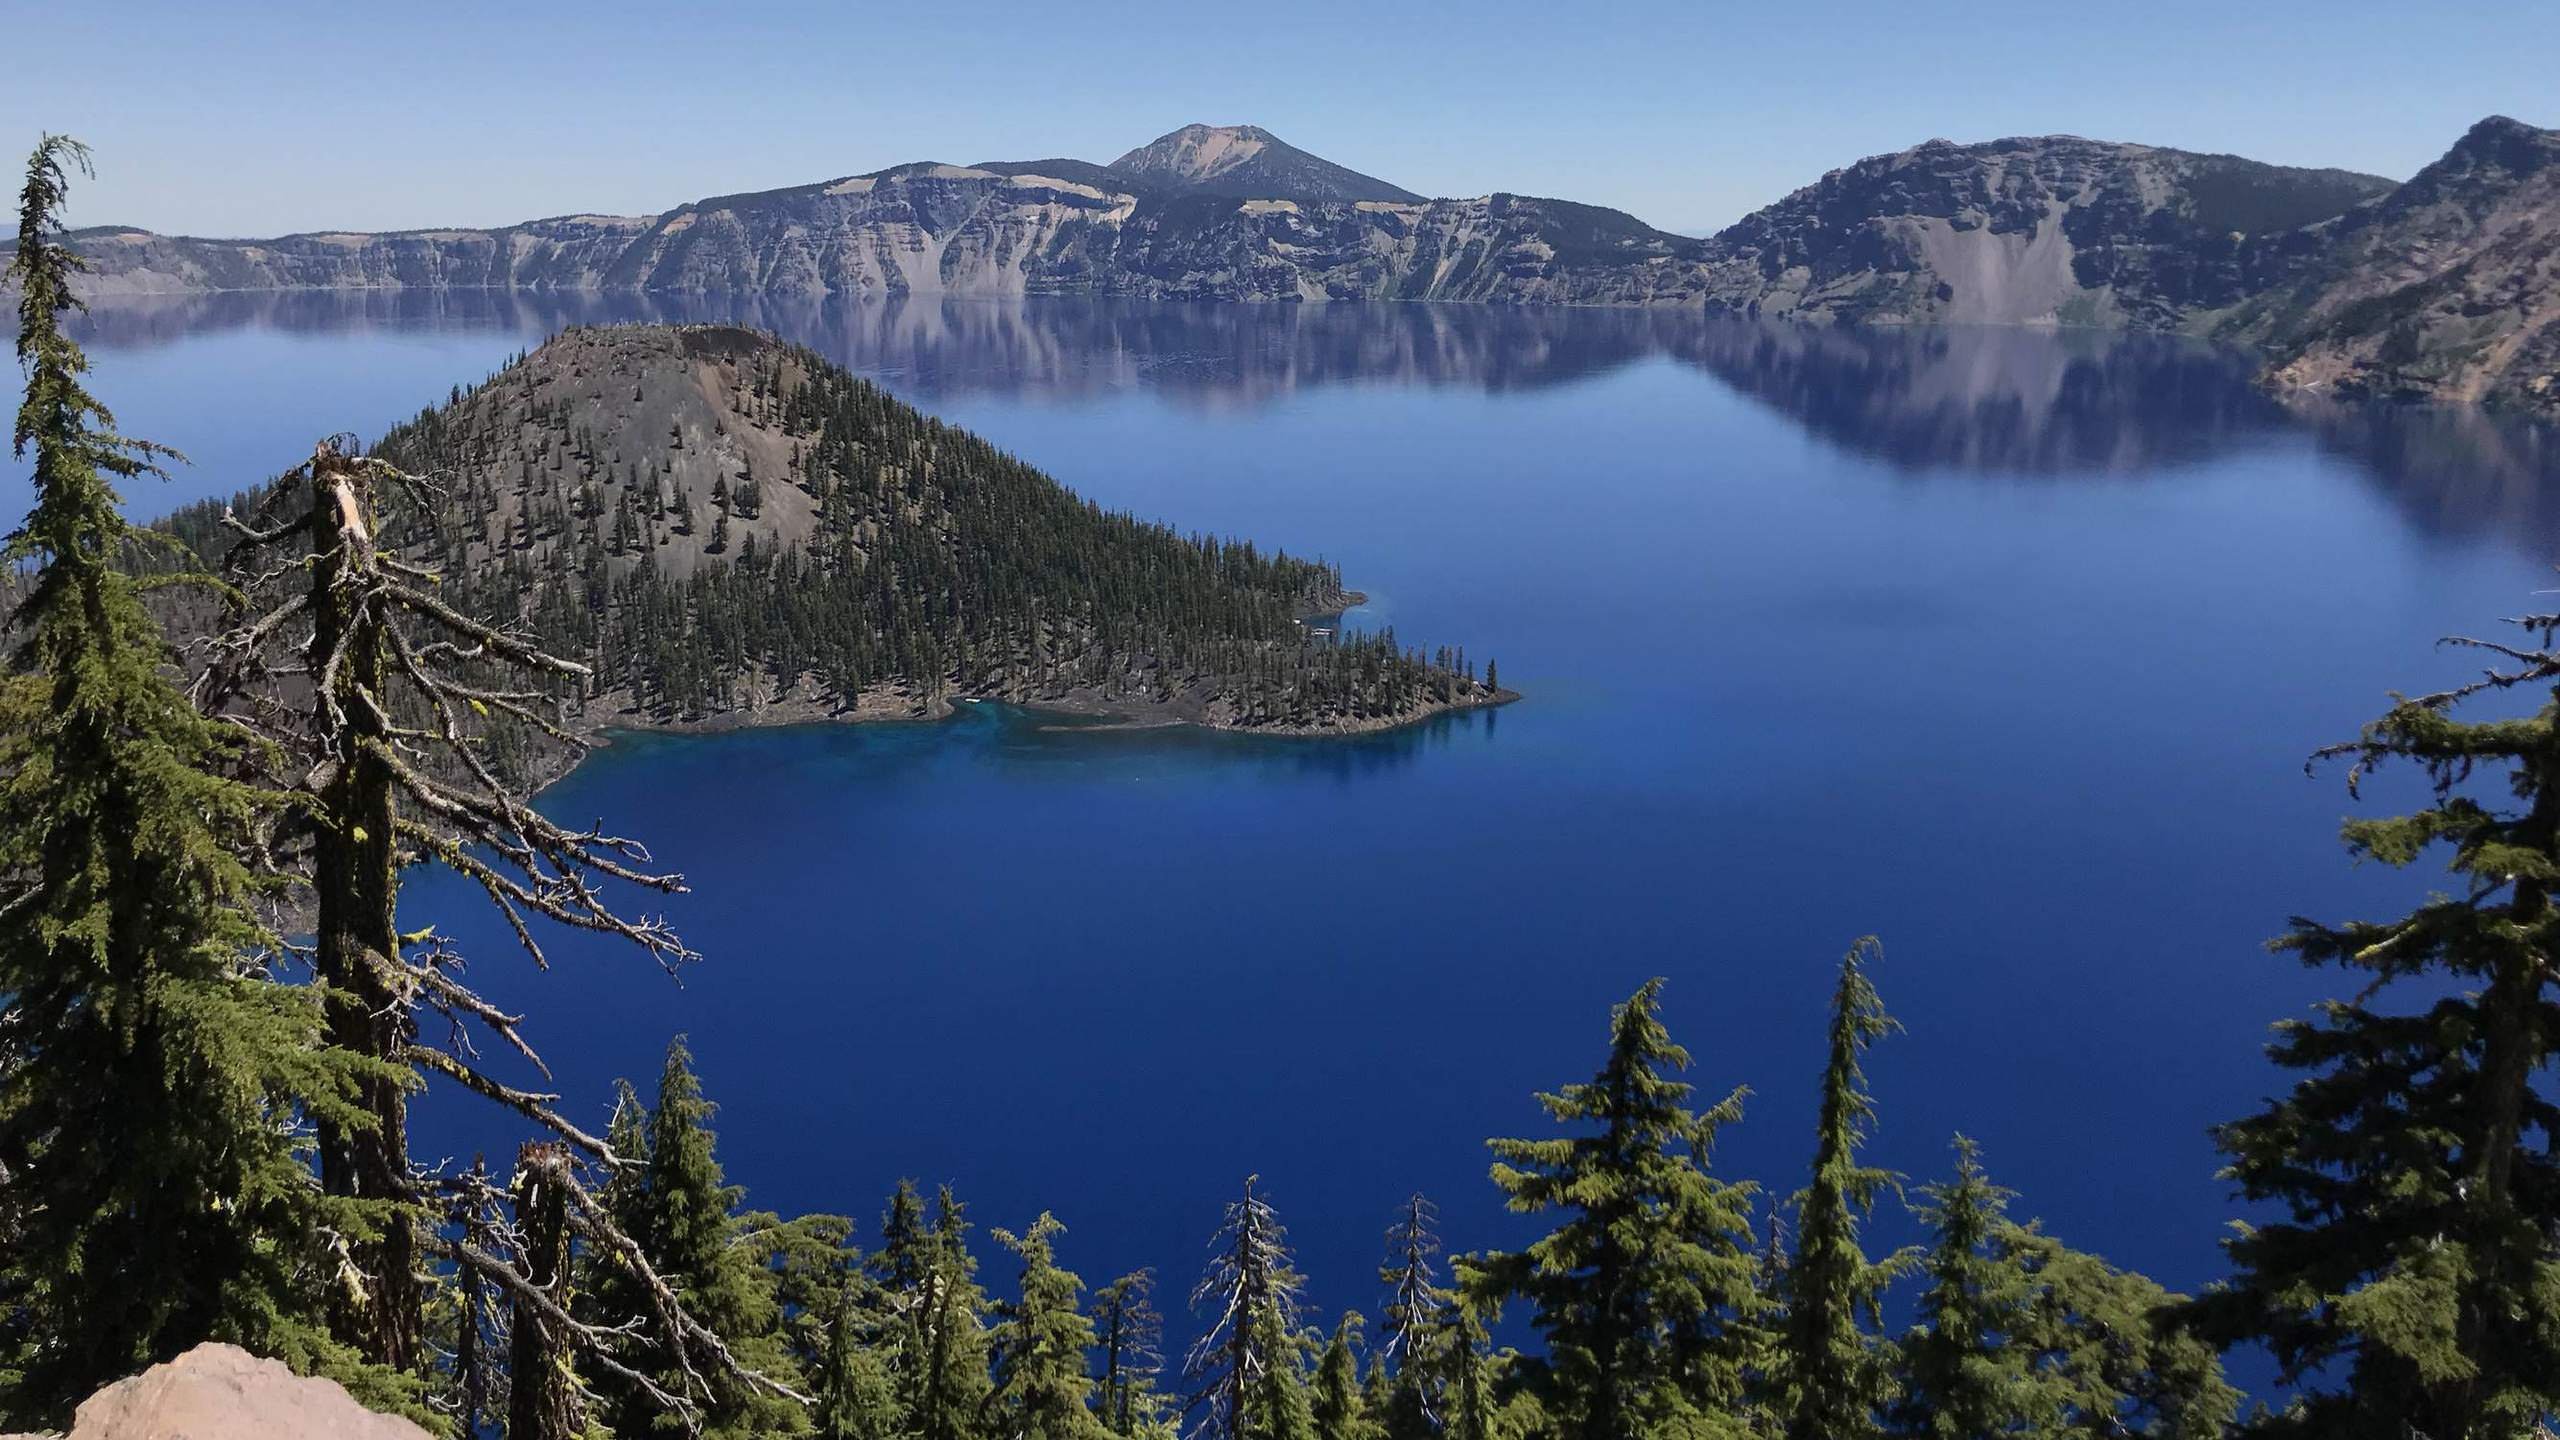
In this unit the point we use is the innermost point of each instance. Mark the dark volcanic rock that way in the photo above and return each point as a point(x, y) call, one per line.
point(2448, 288)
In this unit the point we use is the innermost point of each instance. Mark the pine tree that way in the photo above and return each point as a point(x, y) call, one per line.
point(1338, 1410)
point(2020, 1335)
point(156, 1193)
point(607, 1293)
point(1468, 1382)
point(1413, 1325)
point(1040, 1344)
point(1962, 1377)
point(2103, 1347)
point(1641, 1287)
point(687, 1223)
point(1244, 1368)
point(1277, 1404)
point(1833, 1373)
point(928, 1284)
point(2413, 1283)
point(1128, 1331)
point(857, 1397)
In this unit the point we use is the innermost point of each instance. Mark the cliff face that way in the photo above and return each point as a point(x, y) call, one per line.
point(2448, 288)
point(2056, 230)
point(2443, 288)
point(947, 229)
point(572, 252)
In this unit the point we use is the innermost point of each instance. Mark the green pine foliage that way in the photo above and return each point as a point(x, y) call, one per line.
point(1277, 1406)
point(158, 1071)
point(933, 1316)
point(1128, 1333)
point(1043, 1390)
point(1641, 1290)
point(2019, 1335)
point(1832, 1366)
point(685, 1217)
point(2411, 1274)
point(1960, 1376)
point(1338, 1408)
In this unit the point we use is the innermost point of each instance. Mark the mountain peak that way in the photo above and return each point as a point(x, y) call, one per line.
point(2506, 141)
point(1249, 162)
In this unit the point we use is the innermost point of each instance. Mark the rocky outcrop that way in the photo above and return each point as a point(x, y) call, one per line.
point(2052, 230)
point(221, 1392)
point(2448, 288)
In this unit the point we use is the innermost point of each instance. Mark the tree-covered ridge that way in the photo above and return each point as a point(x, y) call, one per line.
point(717, 522)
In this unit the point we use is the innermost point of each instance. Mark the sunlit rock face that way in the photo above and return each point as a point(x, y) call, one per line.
point(2438, 289)
point(221, 1392)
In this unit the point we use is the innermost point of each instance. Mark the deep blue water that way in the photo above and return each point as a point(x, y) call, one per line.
point(2004, 646)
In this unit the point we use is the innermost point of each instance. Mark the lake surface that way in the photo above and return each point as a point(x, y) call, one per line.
point(2005, 646)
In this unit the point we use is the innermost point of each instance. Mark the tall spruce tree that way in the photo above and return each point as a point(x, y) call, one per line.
point(683, 1214)
point(2412, 1281)
point(855, 1393)
point(1962, 1377)
point(1641, 1287)
point(1244, 1370)
point(157, 1074)
point(935, 1326)
point(1338, 1409)
point(1041, 1341)
point(1833, 1370)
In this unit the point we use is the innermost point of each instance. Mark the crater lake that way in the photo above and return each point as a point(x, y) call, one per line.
point(2006, 646)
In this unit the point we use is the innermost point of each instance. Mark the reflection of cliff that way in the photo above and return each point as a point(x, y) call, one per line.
point(2042, 403)
point(1222, 354)
point(2007, 401)
point(1998, 401)
point(2453, 472)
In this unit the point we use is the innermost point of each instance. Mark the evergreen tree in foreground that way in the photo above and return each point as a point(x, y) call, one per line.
point(1643, 1291)
point(1338, 1410)
point(1961, 1376)
point(1413, 1327)
point(156, 1076)
point(684, 1215)
point(1831, 1366)
point(1042, 1389)
point(933, 1320)
point(2020, 1335)
point(2412, 1284)
point(1245, 1369)
point(1128, 1332)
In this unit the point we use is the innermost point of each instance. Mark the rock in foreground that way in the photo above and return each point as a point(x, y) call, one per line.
point(221, 1392)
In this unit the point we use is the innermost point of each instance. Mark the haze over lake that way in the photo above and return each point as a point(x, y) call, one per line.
point(2005, 645)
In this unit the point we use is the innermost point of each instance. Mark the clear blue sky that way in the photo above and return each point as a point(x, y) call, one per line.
point(262, 118)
